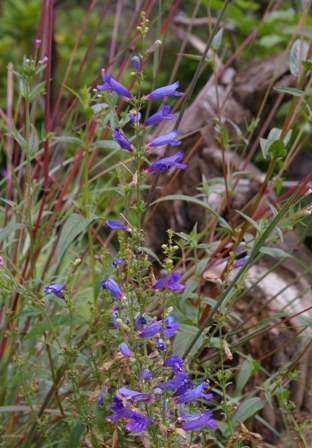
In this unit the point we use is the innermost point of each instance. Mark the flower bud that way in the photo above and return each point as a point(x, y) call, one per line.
point(153, 47)
point(136, 63)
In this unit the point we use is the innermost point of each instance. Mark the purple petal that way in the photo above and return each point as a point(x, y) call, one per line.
point(121, 139)
point(167, 139)
point(115, 86)
point(56, 289)
point(199, 422)
point(175, 362)
point(165, 91)
point(161, 345)
point(151, 330)
point(116, 225)
point(123, 347)
point(194, 394)
point(163, 114)
point(112, 286)
point(167, 163)
point(240, 262)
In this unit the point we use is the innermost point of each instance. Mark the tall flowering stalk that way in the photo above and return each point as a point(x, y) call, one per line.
point(154, 385)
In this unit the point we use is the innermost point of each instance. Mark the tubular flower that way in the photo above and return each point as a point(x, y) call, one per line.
point(121, 139)
point(167, 139)
point(135, 396)
point(161, 345)
point(56, 289)
point(240, 262)
point(140, 421)
point(175, 362)
point(102, 396)
point(146, 374)
point(165, 91)
point(112, 286)
point(118, 262)
point(134, 115)
point(163, 114)
point(136, 63)
point(156, 327)
point(195, 422)
point(170, 282)
point(115, 86)
point(194, 394)
point(116, 225)
point(167, 163)
point(125, 350)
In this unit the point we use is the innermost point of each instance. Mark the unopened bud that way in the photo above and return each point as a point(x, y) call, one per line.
point(136, 63)
point(153, 47)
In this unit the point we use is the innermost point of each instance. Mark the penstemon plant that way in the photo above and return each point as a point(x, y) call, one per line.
point(116, 375)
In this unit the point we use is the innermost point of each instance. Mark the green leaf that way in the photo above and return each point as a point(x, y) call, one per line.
point(216, 42)
point(74, 225)
point(250, 220)
point(10, 228)
point(277, 149)
point(75, 435)
point(290, 90)
point(106, 144)
point(44, 325)
point(248, 409)
point(244, 375)
point(182, 197)
point(37, 90)
point(74, 140)
point(308, 64)
point(274, 252)
point(183, 336)
point(190, 287)
point(33, 140)
point(298, 53)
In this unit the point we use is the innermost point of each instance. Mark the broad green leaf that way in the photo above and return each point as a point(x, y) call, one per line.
point(244, 375)
point(182, 339)
point(190, 287)
point(274, 252)
point(10, 228)
point(75, 435)
point(277, 149)
point(74, 225)
point(307, 64)
point(248, 409)
point(298, 53)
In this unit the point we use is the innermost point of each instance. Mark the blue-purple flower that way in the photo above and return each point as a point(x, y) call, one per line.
point(56, 289)
point(121, 139)
point(167, 163)
point(125, 350)
point(163, 114)
point(194, 394)
point(195, 422)
point(175, 362)
point(116, 225)
point(161, 345)
point(136, 63)
point(170, 282)
point(134, 115)
point(140, 323)
point(102, 396)
point(140, 421)
point(115, 86)
point(112, 286)
point(118, 262)
point(156, 328)
point(167, 139)
point(240, 262)
point(146, 374)
point(165, 91)
point(135, 397)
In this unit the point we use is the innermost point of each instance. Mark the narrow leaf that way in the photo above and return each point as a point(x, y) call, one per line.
point(74, 225)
